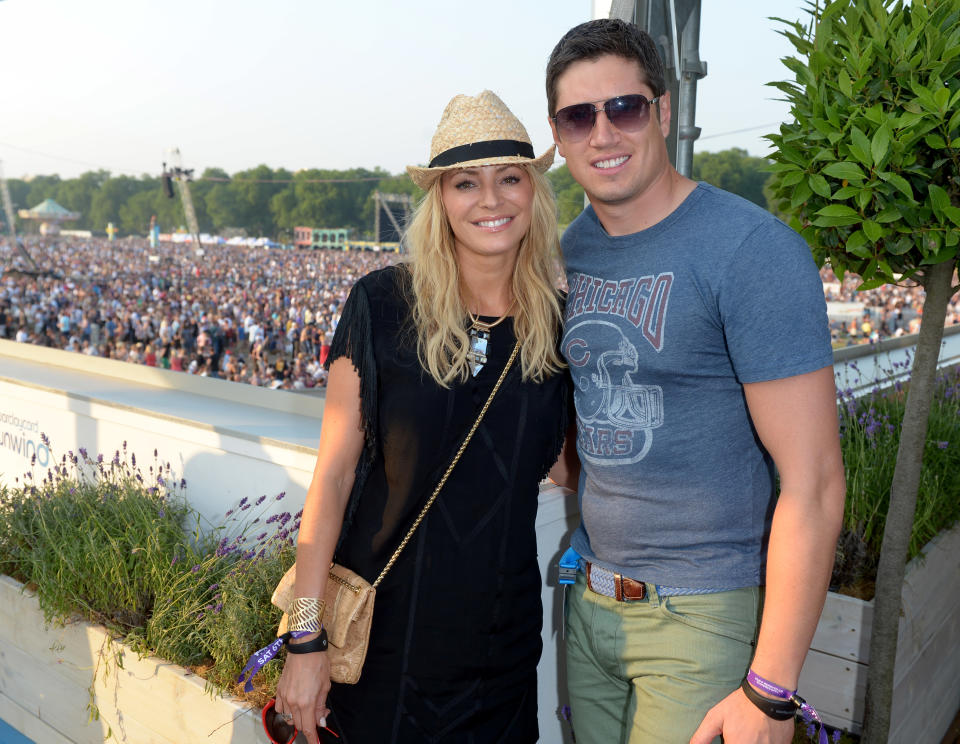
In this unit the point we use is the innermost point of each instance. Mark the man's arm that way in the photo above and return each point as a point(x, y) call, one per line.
point(796, 419)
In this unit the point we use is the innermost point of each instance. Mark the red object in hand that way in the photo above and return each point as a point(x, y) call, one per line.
point(278, 730)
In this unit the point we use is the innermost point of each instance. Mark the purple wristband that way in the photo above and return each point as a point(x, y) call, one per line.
point(774, 690)
point(264, 655)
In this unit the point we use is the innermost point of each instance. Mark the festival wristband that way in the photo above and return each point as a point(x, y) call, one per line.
point(784, 695)
point(263, 656)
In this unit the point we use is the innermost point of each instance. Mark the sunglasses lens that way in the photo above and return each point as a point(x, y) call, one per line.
point(629, 113)
point(575, 122)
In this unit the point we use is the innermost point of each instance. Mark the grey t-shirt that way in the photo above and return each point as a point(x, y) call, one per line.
point(663, 327)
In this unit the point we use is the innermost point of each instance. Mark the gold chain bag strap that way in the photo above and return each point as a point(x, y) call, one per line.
point(348, 597)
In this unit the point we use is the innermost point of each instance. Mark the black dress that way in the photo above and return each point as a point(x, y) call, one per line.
point(456, 628)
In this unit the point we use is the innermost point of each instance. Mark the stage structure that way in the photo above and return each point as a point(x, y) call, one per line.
point(182, 176)
point(397, 208)
point(675, 27)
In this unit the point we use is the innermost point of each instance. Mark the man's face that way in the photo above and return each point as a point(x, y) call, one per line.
point(613, 166)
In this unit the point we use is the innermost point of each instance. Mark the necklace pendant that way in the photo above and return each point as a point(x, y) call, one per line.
point(477, 355)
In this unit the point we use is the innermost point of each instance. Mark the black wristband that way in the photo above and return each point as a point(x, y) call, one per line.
point(779, 710)
point(309, 647)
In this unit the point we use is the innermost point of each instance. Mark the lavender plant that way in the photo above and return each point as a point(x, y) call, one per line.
point(870, 434)
point(93, 536)
point(807, 732)
point(215, 609)
point(102, 540)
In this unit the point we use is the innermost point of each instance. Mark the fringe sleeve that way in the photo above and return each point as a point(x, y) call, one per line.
point(563, 423)
point(567, 413)
point(353, 339)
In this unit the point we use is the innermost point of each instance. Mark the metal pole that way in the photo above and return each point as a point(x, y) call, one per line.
point(674, 26)
point(625, 10)
point(692, 69)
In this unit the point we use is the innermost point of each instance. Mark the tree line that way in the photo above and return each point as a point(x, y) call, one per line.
point(270, 202)
point(262, 201)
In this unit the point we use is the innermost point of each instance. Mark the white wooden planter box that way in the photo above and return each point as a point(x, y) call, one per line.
point(926, 693)
point(46, 675)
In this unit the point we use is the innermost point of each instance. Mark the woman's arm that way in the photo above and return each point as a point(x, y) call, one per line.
point(302, 690)
point(566, 470)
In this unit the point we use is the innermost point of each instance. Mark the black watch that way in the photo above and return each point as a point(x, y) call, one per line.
point(308, 647)
point(779, 710)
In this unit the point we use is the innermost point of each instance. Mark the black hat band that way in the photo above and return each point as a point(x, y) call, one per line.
point(481, 151)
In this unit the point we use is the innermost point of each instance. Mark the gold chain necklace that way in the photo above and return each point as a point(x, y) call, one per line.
point(475, 321)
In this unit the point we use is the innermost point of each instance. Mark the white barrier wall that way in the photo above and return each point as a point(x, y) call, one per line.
point(220, 468)
point(861, 368)
point(214, 434)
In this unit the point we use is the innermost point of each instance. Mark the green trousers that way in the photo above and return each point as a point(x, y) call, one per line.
point(648, 671)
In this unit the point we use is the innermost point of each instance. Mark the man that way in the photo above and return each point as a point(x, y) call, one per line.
point(697, 337)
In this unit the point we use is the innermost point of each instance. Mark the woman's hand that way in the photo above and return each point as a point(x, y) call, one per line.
point(302, 691)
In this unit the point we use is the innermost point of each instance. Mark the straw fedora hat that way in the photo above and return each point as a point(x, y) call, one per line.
point(475, 131)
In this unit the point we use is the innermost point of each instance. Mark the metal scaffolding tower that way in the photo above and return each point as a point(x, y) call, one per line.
point(381, 204)
point(8, 211)
point(7, 206)
point(182, 176)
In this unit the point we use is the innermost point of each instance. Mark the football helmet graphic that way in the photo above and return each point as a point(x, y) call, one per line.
point(608, 399)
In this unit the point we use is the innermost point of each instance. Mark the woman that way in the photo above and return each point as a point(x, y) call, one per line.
point(456, 629)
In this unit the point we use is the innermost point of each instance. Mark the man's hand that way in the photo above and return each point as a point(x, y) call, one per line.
point(740, 722)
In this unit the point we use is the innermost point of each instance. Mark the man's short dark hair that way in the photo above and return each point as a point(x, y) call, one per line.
point(600, 37)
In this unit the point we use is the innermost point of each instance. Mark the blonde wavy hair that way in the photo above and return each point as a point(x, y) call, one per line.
point(437, 307)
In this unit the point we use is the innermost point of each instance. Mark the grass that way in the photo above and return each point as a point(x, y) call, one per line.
point(870, 432)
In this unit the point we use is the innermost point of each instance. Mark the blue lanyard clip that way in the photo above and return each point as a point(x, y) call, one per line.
point(569, 565)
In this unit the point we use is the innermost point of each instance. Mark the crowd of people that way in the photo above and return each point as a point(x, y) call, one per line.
point(886, 312)
point(261, 316)
point(258, 316)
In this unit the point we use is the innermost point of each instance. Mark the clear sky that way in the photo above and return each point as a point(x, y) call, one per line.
point(317, 83)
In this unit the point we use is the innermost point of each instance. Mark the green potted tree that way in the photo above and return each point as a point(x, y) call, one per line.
point(869, 172)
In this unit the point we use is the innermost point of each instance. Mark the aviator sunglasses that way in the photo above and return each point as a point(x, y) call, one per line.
point(627, 113)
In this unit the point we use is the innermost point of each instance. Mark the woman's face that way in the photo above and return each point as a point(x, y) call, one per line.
point(489, 208)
